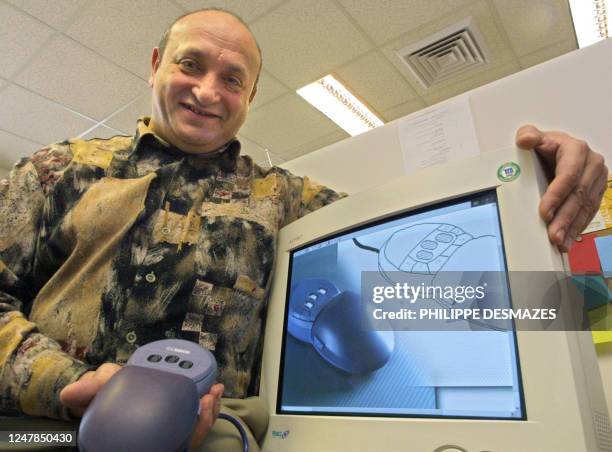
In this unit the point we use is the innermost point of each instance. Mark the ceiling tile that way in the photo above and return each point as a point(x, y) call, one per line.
point(374, 75)
point(124, 32)
point(246, 10)
point(68, 73)
point(314, 145)
point(125, 120)
point(499, 51)
point(301, 41)
point(267, 89)
point(38, 119)
point(13, 147)
point(21, 36)
point(548, 53)
point(534, 24)
point(286, 123)
point(100, 132)
point(56, 13)
point(386, 19)
point(252, 149)
point(402, 110)
point(488, 76)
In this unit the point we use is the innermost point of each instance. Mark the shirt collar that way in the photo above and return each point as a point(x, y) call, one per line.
point(226, 156)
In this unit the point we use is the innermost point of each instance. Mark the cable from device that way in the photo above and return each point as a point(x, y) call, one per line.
point(241, 430)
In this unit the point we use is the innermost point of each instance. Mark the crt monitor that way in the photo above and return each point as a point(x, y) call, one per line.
point(333, 382)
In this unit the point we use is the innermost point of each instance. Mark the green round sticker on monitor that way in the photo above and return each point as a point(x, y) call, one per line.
point(508, 172)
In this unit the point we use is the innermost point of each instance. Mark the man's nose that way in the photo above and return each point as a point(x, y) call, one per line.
point(207, 90)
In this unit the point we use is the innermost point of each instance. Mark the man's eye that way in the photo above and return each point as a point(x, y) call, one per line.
point(190, 65)
point(234, 81)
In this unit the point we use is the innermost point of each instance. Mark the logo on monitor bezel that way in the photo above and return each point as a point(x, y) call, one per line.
point(282, 434)
point(508, 172)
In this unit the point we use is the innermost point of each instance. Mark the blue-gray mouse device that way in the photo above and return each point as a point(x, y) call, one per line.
point(332, 322)
point(152, 404)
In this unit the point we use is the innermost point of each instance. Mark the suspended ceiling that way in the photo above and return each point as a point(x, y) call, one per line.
point(80, 67)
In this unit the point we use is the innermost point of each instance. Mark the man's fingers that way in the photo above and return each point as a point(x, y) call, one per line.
point(79, 394)
point(587, 210)
point(105, 372)
point(217, 392)
point(580, 206)
point(528, 137)
point(574, 173)
point(205, 420)
point(210, 405)
point(578, 180)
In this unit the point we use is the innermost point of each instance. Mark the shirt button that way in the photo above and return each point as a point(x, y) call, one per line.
point(130, 337)
point(165, 230)
point(150, 277)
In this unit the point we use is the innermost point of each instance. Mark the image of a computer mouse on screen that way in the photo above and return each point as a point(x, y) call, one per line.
point(335, 326)
point(308, 298)
point(423, 248)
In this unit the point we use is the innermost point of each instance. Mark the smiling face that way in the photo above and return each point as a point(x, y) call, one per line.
point(203, 85)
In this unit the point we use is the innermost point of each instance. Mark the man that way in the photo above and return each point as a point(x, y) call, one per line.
point(110, 244)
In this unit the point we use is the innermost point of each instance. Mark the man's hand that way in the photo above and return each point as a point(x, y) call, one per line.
point(210, 405)
point(78, 395)
point(579, 181)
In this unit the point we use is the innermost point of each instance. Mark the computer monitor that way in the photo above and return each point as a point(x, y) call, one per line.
point(333, 383)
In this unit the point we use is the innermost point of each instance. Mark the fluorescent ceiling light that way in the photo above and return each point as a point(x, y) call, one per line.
point(336, 102)
point(590, 20)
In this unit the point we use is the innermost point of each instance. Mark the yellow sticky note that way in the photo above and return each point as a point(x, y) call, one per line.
point(600, 337)
point(601, 324)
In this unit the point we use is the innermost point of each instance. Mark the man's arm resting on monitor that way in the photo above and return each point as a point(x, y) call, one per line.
point(33, 368)
point(578, 182)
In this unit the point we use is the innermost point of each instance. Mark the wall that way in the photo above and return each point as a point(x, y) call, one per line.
point(571, 93)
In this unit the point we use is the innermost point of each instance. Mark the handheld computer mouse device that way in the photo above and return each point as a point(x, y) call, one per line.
point(332, 322)
point(152, 403)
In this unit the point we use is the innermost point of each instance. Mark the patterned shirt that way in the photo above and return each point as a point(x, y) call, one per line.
point(106, 245)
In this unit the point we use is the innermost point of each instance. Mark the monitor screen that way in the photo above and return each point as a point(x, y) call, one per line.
point(401, 373)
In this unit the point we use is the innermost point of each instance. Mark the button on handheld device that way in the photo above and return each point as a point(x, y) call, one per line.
point(152, 404)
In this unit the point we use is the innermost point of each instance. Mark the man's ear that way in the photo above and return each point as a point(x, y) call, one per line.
point(253, 93)
point(155, 60)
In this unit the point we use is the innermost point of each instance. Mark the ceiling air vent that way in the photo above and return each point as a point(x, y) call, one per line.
point(448, 53)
